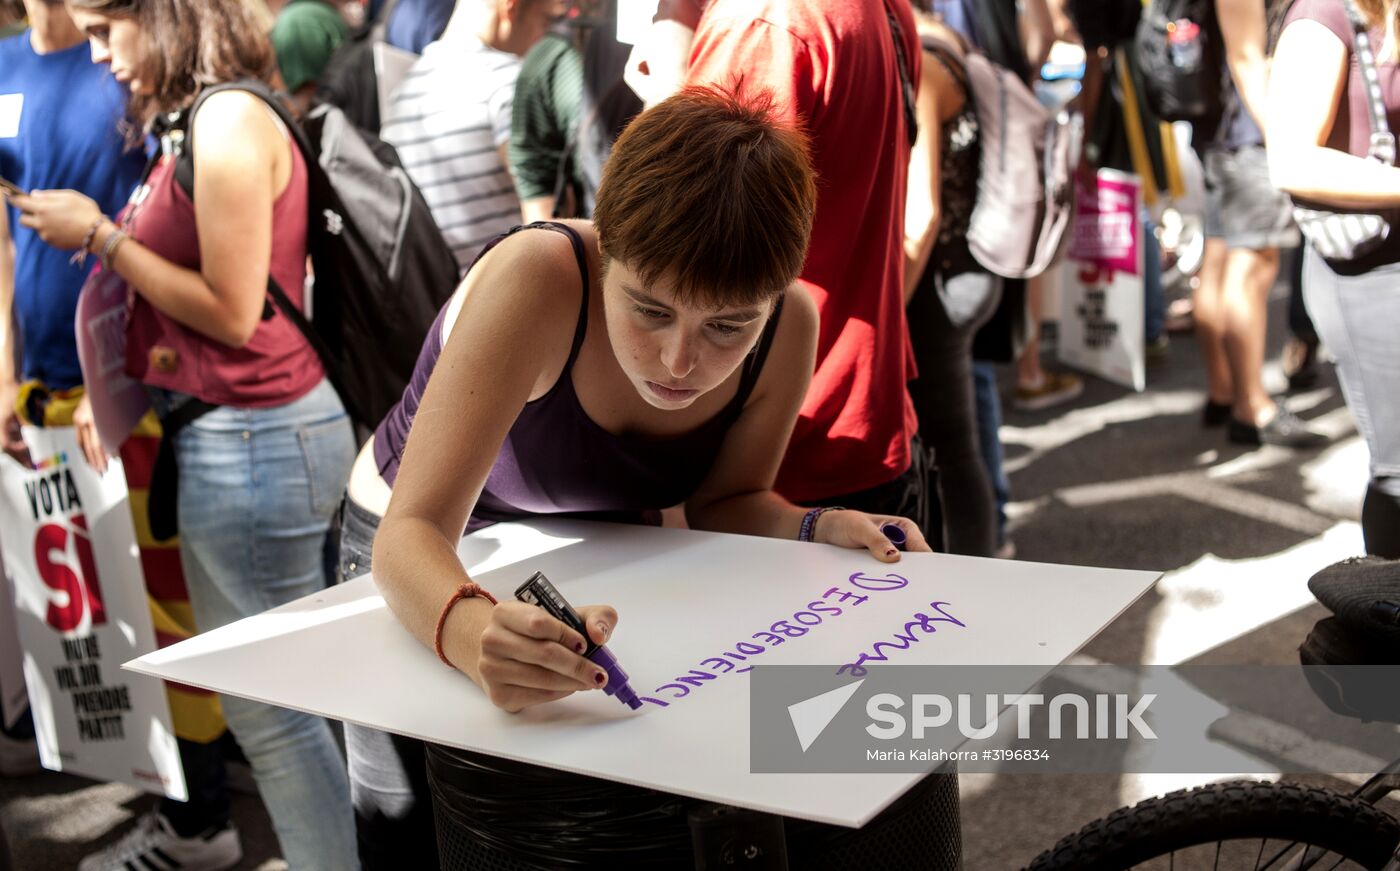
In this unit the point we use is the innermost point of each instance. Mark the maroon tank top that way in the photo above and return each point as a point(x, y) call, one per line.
point(277, 365)
point(556, 459)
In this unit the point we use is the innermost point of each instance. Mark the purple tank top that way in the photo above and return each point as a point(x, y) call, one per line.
point(556, 459)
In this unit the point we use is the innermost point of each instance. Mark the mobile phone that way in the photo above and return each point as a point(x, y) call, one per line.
point(10, 188)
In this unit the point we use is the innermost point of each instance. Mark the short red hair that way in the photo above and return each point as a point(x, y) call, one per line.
point(710, 189)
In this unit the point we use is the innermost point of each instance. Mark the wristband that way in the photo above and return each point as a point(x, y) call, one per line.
point(79, 257)
point(109, 248)
point(809, 521)
point(466, 591)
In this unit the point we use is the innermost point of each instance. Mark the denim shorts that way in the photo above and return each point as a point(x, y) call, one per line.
point(1242, 205)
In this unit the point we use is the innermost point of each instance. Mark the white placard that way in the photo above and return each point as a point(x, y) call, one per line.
point(11, 110)
point(1101, 282)
point(13, 697)
point(682, 597)
point(80, 601)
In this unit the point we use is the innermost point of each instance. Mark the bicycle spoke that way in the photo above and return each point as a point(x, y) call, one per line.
point(1216, 865)
point(1277, 856)
point(1261, 853)
point(1338, 865)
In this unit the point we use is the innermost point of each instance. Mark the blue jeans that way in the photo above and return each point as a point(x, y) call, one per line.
point(984, 379)
point(258, 487)
point(1355, 316)
point(1154, 300)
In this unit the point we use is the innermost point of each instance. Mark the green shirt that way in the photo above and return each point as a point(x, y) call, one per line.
point(545, 115)
point(306, 34)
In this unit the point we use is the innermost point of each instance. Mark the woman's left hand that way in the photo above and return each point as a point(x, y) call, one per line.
point(855, 529)
point(88, 440)
point(62, 219)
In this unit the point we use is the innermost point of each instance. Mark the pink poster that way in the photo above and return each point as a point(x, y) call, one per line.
point(1101, 282)
point(1105, 224)
point(118, 401)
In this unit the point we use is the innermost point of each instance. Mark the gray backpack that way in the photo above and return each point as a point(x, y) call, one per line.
point(1025, 185)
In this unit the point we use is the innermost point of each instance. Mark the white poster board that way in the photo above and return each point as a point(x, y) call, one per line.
point(683, 597)
point(1101, 282)
point(13, 697)
point(80, 602)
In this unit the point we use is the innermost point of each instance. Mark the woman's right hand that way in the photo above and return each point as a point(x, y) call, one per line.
point(528, 658)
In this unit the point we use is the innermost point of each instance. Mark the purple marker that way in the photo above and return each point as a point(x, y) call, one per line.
point(895, 533)
point(539, 591)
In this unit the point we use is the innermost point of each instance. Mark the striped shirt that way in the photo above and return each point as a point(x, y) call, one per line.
point(448, 118)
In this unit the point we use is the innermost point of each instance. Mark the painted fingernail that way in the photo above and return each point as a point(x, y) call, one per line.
point(603, 629)
point(600, 678)
point(891, 552)
point(580, 647)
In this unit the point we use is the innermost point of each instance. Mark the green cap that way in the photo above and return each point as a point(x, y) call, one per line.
point(306, 34)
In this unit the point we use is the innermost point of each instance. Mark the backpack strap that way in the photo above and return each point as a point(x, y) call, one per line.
point(184, 177)
point(277, 299)
point(184, 165)
point(164, 487)
point(1382, 145)
point(950, 61)
point(907, 92)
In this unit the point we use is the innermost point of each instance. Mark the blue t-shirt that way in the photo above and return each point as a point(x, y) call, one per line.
point(415, 23)
point(59, 117)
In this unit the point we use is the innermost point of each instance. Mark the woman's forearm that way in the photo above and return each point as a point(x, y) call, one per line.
point(179, 293)
point(761, 512)
point(917, 253)
point(417, 571)
point(1334, 178)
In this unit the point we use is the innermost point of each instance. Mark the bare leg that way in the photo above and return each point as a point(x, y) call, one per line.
point(1249, 275)
point(1209, 313)
point(1028, 371)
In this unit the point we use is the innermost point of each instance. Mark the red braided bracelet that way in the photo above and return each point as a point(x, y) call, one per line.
point(466, 591)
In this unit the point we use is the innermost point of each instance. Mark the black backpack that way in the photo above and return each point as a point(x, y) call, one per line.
point(350, 81)
point(1104, 23)
point(1180, 53)
point(382, 269)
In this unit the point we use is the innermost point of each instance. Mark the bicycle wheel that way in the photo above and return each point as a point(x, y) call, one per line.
point(1239, 824)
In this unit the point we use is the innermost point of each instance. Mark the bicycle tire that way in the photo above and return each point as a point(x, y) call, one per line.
point(1218, 812)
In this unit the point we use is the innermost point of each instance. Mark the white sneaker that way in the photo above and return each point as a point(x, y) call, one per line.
point(154, 845)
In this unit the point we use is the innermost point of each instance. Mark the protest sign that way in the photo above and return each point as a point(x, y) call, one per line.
point(697, 611)
point(81, 608)
point(1101, 282)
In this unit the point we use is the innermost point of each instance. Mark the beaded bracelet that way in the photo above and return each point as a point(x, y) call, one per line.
point(109, 248)
point(465, 591)
point(809, 521)
point(79, 258)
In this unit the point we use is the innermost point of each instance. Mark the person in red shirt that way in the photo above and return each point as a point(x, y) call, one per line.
point(834, 69)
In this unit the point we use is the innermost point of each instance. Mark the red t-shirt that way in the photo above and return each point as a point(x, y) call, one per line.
point(277, 365)
point(832, 67)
